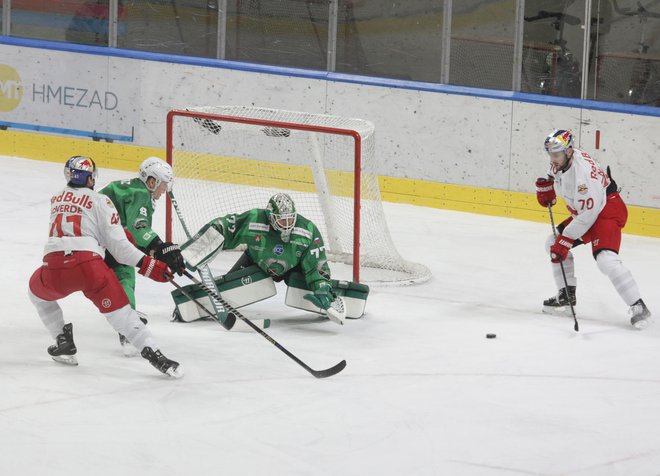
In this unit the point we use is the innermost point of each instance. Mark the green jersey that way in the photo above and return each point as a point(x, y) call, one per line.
point(267, 249)
point(135, 206)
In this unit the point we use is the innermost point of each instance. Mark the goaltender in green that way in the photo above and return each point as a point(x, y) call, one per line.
point(281, 245)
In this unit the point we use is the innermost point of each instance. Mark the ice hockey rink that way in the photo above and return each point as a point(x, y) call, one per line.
point(424, 392)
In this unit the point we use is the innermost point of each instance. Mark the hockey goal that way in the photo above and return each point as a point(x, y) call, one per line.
point(228, 159)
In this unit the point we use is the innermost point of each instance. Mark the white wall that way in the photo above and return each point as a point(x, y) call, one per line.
point(466, 140)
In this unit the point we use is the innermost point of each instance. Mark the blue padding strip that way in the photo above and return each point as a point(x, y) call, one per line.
point(60, 130)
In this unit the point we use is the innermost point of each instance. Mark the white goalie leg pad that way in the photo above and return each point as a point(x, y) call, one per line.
point(610, 265)
point(50, 313)
point(336, 313)
point(569, 267)
point(203, 247)
point(126, 321)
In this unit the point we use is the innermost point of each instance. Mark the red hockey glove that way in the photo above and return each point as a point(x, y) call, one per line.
point(545, 191)
point(559, 251)
point(154, 269)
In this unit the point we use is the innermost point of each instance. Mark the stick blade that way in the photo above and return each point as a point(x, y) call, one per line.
point(331, 371)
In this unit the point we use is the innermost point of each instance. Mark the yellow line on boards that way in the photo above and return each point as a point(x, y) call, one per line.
point(641, 221)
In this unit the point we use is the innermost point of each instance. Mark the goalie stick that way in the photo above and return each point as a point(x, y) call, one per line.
point(234, 313)
point(563, 273)
point(221, 313)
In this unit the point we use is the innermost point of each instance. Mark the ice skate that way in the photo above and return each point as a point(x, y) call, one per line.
point(640, 316)
point(64, 350)
point(559, 304)
point(162, 363)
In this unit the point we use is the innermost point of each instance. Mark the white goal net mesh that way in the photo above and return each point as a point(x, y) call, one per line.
point(222, 166)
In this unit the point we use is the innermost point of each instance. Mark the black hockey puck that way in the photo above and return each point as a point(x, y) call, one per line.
point(490, 336)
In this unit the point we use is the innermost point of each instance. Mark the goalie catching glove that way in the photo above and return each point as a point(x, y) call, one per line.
point(324, 298)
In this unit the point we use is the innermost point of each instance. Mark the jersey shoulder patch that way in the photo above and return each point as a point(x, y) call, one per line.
point(258, 227)
point(301, 232)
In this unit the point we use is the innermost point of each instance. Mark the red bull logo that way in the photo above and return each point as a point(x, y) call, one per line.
point(86, 164)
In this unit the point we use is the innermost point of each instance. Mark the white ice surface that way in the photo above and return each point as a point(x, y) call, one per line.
point(424, 392)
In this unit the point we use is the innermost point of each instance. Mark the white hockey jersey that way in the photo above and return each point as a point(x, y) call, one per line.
point(583, 187)
point(83, 220)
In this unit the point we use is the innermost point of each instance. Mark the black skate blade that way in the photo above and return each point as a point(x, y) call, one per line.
point(65, 359)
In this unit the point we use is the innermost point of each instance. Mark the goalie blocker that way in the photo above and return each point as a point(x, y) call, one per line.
point(251, 284)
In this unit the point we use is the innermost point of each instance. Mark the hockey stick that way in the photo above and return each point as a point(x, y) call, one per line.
point(226, 320)
point(563, 273)
point(236, 314)
point(190, 296)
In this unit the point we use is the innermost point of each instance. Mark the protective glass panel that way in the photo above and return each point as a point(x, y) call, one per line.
point(399, 39)
point(626, 66)
point(279, 32)
point(75, 21)
point(482, 35)
point(179, 27)
point(552, 47)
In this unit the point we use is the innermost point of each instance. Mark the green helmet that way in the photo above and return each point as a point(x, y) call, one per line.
point(282, 213)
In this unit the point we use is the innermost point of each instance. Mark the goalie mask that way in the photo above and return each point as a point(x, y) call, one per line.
point(282, 214)
point(160, 170)
point(78, 168)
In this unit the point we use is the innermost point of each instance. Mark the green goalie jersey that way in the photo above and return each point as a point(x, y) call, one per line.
point(267, 250)
point(135, 206)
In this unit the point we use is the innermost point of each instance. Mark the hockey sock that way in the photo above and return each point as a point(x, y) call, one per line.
point(611, 266)
point(50, 313)
point(126, 322)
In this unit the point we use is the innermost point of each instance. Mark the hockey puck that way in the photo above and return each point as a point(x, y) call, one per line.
point(490, 336)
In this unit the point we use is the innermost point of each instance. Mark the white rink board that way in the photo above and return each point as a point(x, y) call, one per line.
point(422, 135)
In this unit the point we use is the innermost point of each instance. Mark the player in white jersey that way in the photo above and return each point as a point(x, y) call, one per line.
point(83, 224)
point(598, 214)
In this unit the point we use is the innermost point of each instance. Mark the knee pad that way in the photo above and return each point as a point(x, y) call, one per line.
point(41, 304)
point(608, 261)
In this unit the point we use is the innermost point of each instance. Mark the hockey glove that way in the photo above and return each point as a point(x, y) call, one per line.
point(170, 254)
point(154, 269)
point(322, 298)
point(326, 299)
point(545, 192)
point(559, 250)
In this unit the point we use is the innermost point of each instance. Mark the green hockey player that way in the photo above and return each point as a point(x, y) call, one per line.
point(135, 200)
point(279, 241)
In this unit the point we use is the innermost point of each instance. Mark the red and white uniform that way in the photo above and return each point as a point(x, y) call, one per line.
point(83, 220)
point(83, 224)
point(596, 217)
